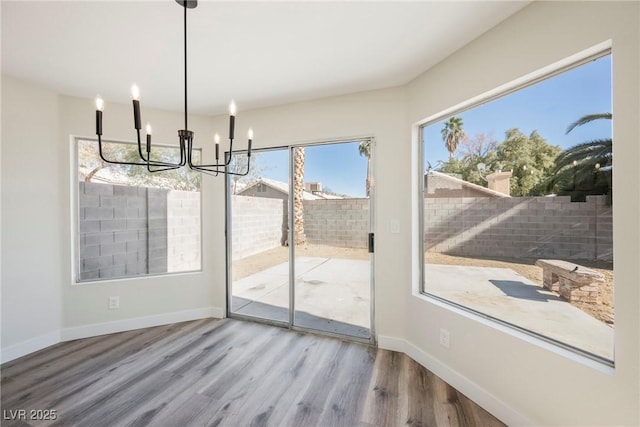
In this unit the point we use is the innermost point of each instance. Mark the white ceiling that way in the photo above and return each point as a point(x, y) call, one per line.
point(260, 53)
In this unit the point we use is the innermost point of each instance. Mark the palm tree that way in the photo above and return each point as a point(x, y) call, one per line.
point(588, 118)
point(452, 134)
point(585, 167)
point(365, 150)
point(298, 196)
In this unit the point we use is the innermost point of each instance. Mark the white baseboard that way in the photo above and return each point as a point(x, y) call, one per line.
point(67, 334)
point(392, 343)
point(29, 346)
point(472, 390)
point(95, 329)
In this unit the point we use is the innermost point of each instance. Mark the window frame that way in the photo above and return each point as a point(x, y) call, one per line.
point(75, 217)
point(594, 53)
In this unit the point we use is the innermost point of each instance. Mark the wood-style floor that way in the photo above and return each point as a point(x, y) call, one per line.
point(228, 373)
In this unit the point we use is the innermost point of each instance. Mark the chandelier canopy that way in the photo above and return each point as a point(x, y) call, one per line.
point(185, 135)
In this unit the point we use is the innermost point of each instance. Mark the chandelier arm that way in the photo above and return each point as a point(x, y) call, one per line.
point(161, 169)
point(219, 165)
point(189, 145)
point(245, 173)
point(207, 171)
point(183, 157)
point(224, 171)
point(228, 161)
point(212, 172)
point(116, 162)
point(154, 162)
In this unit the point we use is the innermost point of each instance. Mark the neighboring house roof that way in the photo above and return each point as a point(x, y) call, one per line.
point(279, 186)
point(283, 187)
point(465, 184)
point(324, 195)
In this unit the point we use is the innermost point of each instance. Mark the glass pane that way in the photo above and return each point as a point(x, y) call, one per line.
point(331, 226)
point(132, 222)
point(518, 209)
point(259, 256)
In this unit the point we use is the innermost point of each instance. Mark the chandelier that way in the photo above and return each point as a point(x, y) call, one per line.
point(185, 135)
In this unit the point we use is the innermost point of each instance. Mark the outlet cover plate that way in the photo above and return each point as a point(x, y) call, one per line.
point(444, 338)
point(114, 303)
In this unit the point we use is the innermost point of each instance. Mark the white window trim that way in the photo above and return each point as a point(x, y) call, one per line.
point(75, 220)
point(418, 288)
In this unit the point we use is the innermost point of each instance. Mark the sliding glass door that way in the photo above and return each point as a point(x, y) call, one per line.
point(257, 213)
point(331, 223)
point(298, 238)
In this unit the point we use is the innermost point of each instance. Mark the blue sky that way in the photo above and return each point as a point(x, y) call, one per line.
point(339, 167)
point(548, 107)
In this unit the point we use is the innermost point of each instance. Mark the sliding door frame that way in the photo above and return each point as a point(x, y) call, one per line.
point(228, 245)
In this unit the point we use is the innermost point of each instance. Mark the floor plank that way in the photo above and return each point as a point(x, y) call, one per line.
point(229, 373)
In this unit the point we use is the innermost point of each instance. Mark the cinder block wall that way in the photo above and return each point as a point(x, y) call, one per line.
point(124, 231)
point(113, 231)
point(257, 224)
point(341, 222)
point(157, 243)
point(531, 227)
point(517, 227)
point(184, 244)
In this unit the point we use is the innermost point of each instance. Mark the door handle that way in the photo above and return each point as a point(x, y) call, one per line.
point(371, 243)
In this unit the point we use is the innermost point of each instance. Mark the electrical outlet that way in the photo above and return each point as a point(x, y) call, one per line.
point(114, 303)
point(444, 338)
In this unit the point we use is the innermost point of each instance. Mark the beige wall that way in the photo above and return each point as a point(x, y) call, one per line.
point(379, 114)
point(547, 387)
point(515, 377)
point(140, 297)
point(32, 263)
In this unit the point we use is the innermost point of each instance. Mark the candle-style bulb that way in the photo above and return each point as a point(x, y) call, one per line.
point(250, 134)
point(135, 95)
point(99, 107)
point(216, 139)
point(232, 119)
point(148, 129)
point(99, 103)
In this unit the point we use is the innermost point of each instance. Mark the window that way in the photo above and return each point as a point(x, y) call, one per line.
point(262, 188)
point(131, 222)
point(517, 212)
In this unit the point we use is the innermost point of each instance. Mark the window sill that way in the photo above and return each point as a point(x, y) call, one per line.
point(127, 279)
point(604, 366)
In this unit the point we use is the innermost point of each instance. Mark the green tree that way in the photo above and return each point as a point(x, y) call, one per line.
point(452, 134)
point(176, 179)
point(529, 158)
point(584, 168)
point(92, 167)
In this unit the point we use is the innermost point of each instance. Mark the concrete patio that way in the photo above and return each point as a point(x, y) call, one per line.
point(504, 294)
point(333, 295)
